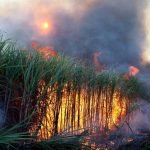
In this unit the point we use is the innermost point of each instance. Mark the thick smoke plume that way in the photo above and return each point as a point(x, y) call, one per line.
point(139, 119)
point(114, 29)
point(79, 28)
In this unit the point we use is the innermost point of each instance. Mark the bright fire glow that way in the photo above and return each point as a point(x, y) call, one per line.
point(133, 71)
point(76, 113)
point(46, 51)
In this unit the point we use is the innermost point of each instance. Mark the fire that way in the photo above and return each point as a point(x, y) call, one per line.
point(133, 71)
point(76, 114)
point(46, 51)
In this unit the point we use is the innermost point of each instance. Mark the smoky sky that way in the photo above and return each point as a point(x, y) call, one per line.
point(113, 27)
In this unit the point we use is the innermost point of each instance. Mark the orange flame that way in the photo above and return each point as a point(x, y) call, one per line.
point(133, 71)
point(103, 119)
point(46, 51)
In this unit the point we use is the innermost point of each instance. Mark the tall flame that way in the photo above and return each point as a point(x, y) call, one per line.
point(75, 113)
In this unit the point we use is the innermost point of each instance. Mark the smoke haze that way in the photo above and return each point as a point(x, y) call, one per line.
point(115, 28)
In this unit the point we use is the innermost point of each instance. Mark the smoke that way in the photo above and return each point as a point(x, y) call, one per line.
point(139, 119)
point(115, 28)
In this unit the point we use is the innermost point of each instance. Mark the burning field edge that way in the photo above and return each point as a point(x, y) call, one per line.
point(56, 102)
